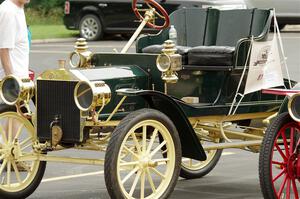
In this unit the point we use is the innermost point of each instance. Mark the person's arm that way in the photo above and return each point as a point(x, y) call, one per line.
point(5, 61)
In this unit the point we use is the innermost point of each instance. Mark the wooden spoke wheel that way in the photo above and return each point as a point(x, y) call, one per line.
point(279, 162)
point(143, 157)
point(191, 169)
point(18, 179)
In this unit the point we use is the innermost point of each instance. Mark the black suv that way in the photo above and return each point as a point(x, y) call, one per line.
point(95, 17)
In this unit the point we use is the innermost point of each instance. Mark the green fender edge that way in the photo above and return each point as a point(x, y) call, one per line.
point(191, 147)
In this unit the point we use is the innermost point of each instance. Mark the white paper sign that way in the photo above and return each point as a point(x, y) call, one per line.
point(264, 67)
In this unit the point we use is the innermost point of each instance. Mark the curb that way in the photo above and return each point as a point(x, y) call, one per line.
point(59, 40)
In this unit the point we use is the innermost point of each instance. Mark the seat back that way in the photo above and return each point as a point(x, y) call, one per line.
point(190, 25)
point(198, 27)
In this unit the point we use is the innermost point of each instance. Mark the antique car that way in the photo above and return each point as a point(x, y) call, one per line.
point(157, 114)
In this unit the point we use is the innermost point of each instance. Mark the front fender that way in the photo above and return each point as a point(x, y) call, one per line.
point(191, 147)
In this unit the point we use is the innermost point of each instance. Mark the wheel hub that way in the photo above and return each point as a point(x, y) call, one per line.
point(293, 164)
point(145, 162)
point(297, 166)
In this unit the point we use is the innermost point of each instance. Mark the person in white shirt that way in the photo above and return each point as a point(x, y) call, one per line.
point(14, 45)
point(14, 48)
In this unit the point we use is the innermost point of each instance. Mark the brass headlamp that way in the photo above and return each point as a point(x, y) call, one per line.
point(168, 62)
point(15, 90)
point(91, 94)
point(81, 57)
point(294, 107)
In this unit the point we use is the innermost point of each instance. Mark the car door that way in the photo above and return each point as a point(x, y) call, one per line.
point(117, 14)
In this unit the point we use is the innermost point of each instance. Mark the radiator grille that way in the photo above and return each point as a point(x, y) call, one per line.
point(55, 98)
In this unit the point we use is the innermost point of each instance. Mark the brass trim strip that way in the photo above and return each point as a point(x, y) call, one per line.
point(42, 157)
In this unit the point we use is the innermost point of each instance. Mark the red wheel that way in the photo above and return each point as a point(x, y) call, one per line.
point(279, 163)
point(162, 13)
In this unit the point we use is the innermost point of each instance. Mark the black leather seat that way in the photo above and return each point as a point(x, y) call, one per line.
point(211, 56)
point(157, 49)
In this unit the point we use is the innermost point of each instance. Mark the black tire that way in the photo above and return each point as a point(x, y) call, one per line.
point(266, 152)
point(37, 179)
point(193, 174)
point(118, 136)
point(91, 28)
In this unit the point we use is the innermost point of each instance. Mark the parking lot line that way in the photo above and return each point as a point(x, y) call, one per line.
point(60, 178)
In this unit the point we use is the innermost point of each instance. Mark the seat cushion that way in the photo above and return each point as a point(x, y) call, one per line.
point(211, 56)
point(157, 49)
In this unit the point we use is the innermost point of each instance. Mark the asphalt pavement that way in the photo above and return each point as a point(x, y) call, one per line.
point(235, 176)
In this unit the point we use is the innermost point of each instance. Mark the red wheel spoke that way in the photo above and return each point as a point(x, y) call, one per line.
point(295, 188)
point(292, 140)
point(288, 189)
point(282, 186)
point(278, 163)
point(280, 151)
point(297, 145)
point(279, 175)
point(287, 152)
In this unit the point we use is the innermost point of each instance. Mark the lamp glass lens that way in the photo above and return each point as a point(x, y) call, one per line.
point(84, 95)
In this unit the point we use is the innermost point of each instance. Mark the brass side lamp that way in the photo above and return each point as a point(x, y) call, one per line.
point(169, 62)
point(81, 57)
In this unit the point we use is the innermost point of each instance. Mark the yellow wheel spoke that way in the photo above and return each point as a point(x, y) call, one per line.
point(143, 185)
point(19, 131)
point(158, 173)
point(150, 180)
point(3, 166)
point(158, 148)
point(137, 144)
point(2, 156)
point(153, 137)
point(8, 172)
point(131, 152)
point(129, 175)
point(3, 133)
point(144, 138)
point(124, 164)
point(10, 129)
point(25, 141)
point(16, 171)
point(25, 147)
point(135, 183)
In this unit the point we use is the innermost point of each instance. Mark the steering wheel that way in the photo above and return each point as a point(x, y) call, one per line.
point(152, 4)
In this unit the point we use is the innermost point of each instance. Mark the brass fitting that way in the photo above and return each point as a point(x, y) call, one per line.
point(81, 57)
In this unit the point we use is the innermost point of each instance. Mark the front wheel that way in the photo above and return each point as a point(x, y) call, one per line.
point(143, 157)
point(279, 161)
point(18, 179)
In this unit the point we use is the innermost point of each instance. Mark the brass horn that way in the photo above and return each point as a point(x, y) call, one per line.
point(15, 90)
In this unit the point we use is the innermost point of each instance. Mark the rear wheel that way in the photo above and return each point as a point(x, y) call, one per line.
point(191, 169)
point(19, 179)
point(279, 161)
point(91, 28)
point(143, 157)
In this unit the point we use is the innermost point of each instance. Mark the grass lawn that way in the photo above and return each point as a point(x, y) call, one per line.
point(51, 32)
